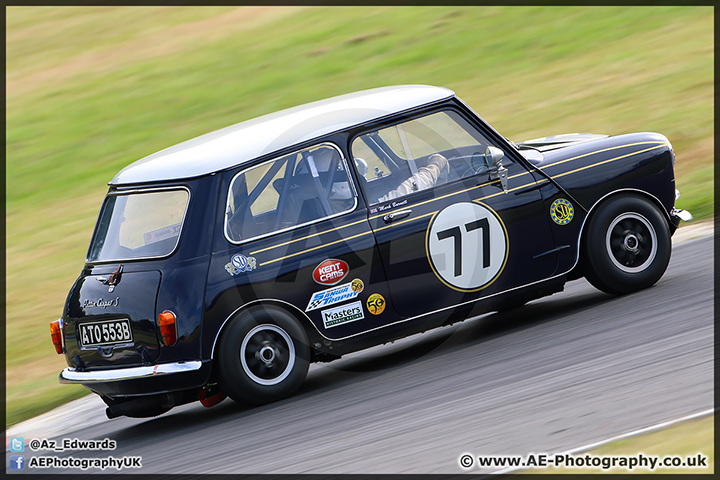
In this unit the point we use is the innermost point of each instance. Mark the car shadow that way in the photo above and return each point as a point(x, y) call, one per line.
point(367, 364)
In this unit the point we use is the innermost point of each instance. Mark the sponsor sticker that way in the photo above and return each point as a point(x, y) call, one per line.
point(240, 263)
point(338, 294)
point(357, 285)
point(330, 272)
point(562, 211)
point(162, 233)
point(343, 314)
point(376, 304)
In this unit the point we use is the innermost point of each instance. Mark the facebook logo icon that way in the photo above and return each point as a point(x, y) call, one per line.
point(17, 462)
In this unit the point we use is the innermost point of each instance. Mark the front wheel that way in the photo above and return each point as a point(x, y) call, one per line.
point(263, 356)
point(627, 245)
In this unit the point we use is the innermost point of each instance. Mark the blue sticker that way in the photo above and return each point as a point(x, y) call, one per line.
point(334, 295)
point(240, 263)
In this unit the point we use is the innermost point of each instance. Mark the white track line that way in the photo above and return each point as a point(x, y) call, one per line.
point(652, 428)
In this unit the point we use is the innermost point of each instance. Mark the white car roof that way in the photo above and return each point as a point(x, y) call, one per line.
point(242, 142)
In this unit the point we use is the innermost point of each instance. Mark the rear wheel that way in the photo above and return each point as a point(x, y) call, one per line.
point(263, 356)
point(627, 245)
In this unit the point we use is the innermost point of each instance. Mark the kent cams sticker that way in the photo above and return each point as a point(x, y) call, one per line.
point(331, 272)
point(467, 246)
point(562, 211)
point(331, 296)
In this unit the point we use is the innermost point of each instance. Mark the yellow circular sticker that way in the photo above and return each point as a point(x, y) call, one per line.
point(376, 304)
point(561, 211)
point(357, 285)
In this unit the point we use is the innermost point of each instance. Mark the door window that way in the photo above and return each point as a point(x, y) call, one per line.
point(419, 154)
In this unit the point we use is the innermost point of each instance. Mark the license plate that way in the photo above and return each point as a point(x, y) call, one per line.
point(108, 332)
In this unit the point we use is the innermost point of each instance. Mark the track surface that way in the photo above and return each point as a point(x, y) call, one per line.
point(563, 371)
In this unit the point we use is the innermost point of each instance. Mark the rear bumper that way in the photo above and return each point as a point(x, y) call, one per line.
point(144, 380)
point(71, 375)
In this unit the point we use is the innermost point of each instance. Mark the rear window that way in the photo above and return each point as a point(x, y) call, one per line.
point(139, 225)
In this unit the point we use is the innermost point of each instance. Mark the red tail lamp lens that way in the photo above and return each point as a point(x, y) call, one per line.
point(168, 330)
point(56, 335)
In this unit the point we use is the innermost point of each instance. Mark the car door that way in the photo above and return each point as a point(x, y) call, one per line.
point(447, 232)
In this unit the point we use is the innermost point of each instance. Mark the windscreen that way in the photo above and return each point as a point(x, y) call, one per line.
point(139, 225)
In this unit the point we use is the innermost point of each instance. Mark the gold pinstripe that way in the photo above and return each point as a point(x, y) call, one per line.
point(314, 248)
point(457, 193)
point(600, 151)
point(655, 143)
point(607, 161)
point(306, 237)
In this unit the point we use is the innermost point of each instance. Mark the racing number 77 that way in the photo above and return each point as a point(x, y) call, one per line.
point(456, 234)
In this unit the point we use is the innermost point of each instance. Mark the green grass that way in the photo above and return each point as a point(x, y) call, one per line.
point(685, 439)
point(91, 89)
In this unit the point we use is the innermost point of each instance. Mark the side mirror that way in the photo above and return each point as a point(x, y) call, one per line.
point(494, 156)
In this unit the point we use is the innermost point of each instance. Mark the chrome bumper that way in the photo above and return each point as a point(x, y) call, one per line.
point(677, 214)
point(71, 375)
point(683, 215)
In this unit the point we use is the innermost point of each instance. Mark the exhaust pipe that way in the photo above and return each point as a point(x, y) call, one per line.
point(147, 406)
point(140, 407)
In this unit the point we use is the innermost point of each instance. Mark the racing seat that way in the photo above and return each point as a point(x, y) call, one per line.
point(303, 204)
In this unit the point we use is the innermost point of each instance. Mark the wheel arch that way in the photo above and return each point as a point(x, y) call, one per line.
point(289, 308)
point(577, 270)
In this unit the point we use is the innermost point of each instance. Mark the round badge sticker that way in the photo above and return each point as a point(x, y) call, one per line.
point(357, 285)
point(562, 211)
point(376, 304)
point(467, 246)
point(239, 261)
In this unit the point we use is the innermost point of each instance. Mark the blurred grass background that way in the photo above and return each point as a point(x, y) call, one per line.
point(91, 89)
point(685, 439)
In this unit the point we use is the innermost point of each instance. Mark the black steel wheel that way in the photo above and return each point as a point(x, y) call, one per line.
point(626, 246)
point(263, 356)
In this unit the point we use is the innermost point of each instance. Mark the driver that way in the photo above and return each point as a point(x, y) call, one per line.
point(426, 177)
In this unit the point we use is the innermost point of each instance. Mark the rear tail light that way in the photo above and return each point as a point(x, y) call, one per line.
point(168, 328)
point(56, 335)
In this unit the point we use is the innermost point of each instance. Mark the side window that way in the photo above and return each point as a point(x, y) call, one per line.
point(293, 190)
point(419, 154)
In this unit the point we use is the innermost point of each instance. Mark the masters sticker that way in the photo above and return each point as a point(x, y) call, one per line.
point(339, 294)
point(561, 211)
point(376, 304)
point(343, 314)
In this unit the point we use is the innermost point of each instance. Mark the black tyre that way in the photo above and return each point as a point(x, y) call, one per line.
point(263, 356)
point(626, 246)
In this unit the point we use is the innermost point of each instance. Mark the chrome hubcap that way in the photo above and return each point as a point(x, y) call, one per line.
point(267, 354)
point(631, 242)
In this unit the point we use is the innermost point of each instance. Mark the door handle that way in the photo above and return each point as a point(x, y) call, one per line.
point(396, 215)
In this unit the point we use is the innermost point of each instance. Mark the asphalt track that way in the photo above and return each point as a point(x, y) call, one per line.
point(560, 372)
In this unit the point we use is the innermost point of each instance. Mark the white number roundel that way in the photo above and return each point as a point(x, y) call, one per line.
point(467, 246)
